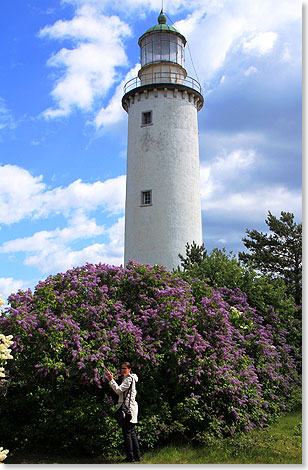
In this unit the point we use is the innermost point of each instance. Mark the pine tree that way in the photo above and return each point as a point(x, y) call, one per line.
point(195, 254)
point(279, 253)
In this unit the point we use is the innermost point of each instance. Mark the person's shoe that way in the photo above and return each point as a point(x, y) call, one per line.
point(128, 460)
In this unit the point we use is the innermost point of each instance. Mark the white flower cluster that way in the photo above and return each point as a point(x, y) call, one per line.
point(235, 312)
point(3, 454)
point(5, 354)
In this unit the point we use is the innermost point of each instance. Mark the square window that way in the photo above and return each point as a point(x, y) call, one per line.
point(146, 118)
point(146, 198)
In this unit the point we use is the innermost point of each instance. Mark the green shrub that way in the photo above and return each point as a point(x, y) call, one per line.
point(208, 363)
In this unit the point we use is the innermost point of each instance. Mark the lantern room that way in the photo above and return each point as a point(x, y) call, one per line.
point(162, 53)
point(162, 43)
point(162, 47)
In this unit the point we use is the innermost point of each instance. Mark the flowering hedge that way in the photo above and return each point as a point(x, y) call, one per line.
point(207, 362)
point(5, 354)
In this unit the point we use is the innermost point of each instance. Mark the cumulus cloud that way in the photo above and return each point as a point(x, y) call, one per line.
point(260, 43)
point(23, 195)
point(113, 113)
point(221, 195)
point(250, 71)
point(259, 9)
point(8, 285)
point(216, 176)
point(252, 205)
point(20, 193)
point(64, 259)
point(51, 251)
point(221, 29)
point(94, 62)
point(89, 68)
point(79, 227)
point(110, 195)
point(234, 198)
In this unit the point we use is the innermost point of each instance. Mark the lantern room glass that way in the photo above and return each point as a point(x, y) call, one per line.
point(162, 47)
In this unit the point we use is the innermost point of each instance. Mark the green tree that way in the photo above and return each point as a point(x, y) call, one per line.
point(195, 254)
point(265, 293)
point(278, 253)
point(222, 269)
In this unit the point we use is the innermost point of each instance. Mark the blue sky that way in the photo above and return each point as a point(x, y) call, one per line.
point(63, 132)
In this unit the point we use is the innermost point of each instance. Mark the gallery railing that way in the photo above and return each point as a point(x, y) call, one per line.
point(162, 77)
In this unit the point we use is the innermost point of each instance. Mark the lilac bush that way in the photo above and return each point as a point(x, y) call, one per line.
point(208, 363)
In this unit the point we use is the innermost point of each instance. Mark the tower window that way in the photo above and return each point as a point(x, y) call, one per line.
point(146, 118)
point(146, 198)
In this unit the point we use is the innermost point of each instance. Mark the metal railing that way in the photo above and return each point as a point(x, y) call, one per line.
point(162, 77)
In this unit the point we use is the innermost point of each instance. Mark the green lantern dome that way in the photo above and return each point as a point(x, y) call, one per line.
point(162, 26)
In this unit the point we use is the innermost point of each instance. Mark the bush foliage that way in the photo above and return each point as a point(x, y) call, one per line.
point(269, 296)
point(208, 363)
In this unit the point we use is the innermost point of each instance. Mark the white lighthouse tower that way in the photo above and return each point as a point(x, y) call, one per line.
point(163, 209)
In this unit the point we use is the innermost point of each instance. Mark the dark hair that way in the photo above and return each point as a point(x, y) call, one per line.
point(127, 364)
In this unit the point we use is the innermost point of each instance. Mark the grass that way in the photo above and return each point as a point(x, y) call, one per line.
point(280, 443)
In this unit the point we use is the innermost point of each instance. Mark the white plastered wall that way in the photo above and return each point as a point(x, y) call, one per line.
point(164, 158)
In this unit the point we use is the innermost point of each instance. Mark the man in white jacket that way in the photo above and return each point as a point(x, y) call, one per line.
point(127, 391)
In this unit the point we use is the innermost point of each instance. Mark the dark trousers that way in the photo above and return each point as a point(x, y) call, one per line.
point(130, 441)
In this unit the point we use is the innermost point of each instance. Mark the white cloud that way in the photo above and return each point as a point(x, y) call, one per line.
point(116, 235)
point(20, 193)
point(114, 112)
point(89, 67)
point(213, 34)
point(110, 195)
point(260, 44)
point(23, 195)
point(215, 177)
point(79, 227)
point(220, 193)
point(8, 285)
point(259, 9)
point(226, 165)
point(218, 28)
point(286, 52)
point(224, 144)
point(250, 71)
point(51, 251)
point(253, 205)
point(96, 253)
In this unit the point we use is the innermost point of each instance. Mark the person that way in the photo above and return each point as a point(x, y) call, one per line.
point(129, 434)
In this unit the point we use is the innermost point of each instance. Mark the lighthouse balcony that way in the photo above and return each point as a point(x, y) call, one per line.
point(159, 78)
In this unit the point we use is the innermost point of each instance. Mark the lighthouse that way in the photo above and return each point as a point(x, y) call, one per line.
point(163, 208)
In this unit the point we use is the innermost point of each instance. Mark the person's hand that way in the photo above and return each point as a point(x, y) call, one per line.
point(109, 375)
